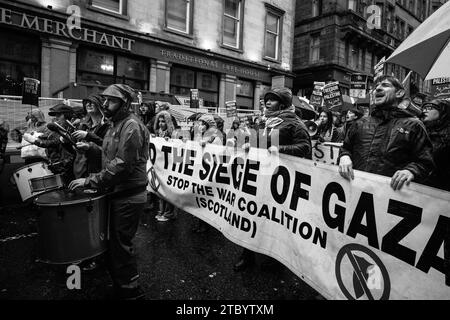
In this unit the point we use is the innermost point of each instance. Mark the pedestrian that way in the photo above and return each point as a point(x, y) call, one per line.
point(437, 121)
point(284, 133)
point(390, 142)
point(125, 156)
point(4, 130)
point(59, 152)
point(89, 138)
point(206, 132)
point(326, 130)
point(351, 116)
point(238, 134)
point(36, 127)
point(164, 128)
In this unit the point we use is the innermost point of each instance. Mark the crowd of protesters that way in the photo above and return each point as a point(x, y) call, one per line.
point(107, 147)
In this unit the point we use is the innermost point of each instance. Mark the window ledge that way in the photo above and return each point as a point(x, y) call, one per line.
point(272, 60)
point(231, 48)
point(180, 33)
point(109, 13)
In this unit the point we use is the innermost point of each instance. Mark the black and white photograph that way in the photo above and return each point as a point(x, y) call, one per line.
point(224, 158)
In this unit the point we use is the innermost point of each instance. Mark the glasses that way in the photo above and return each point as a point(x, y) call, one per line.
point(429, 107)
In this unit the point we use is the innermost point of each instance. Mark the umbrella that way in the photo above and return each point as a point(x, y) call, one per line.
point(308, 111)
point(427, 49)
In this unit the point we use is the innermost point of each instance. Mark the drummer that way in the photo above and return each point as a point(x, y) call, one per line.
point(61, 155)
point(125, 155)
point(89, 138)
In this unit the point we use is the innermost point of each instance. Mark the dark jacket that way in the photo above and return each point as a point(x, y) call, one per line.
point(384, 143)
point(62, 155)
point(291, 134)
point(440, 138)
point(90, 161)
point(125, 155)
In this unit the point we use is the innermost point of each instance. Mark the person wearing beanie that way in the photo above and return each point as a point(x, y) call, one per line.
point(284, 132)
point(437, 121)
point(207, 131)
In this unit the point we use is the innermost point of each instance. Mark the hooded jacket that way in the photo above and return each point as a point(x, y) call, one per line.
point(290, 133)
point(125, 154)
point(439, 132)
point(386, 142)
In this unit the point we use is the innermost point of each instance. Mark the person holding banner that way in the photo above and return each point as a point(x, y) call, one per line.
point(391, 142)
point(326, 131)
point(125, 156)
point(437, 122)
point(285, 133)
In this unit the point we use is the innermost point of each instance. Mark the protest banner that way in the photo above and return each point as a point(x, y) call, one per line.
point(316, 96)
point(440, 88)
point(30, 91)
point(332, 96)
point(348, 240)
point(326, 152)
point(358, 86)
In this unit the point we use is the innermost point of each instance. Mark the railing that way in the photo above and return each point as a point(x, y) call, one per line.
point(13, 112)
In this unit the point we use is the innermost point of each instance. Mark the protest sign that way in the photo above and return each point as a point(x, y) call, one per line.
point(332, 96)
point(358, 86)
point(440, 88)
point(348, 240)
point(231, 108)
point(30, 91)
point(316, 96)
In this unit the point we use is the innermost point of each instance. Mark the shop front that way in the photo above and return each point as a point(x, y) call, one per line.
point(73, 62)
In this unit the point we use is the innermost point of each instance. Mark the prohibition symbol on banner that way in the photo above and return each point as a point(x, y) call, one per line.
point(360, 268)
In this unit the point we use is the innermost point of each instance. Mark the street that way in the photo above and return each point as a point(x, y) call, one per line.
point(174, 264)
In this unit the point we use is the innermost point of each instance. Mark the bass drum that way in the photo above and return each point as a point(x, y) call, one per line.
point(72, 226)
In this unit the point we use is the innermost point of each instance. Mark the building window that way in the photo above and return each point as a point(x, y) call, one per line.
point(232, 23)
point(179, 15)
point(314, 49)
point(182, 80)
point(273, 32)
point(104, 68)
point(352, 5)
point(115, 6)
point(316, 8)
point(245, 91)
point(20, 57)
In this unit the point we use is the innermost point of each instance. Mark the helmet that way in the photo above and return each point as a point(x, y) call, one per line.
point(282, 94)
point(121, 91)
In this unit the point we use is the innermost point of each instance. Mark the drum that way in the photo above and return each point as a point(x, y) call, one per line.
point(23, 175)
point(72, 226)
point(46, 183)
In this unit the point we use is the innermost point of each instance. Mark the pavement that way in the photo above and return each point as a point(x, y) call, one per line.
point(174, 264)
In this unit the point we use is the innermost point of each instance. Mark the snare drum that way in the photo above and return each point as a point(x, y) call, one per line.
point(23, 175)
point(72, 226)
point(46, 183)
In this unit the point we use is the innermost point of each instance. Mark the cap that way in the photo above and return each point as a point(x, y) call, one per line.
point(121, 91)
point(60, 108)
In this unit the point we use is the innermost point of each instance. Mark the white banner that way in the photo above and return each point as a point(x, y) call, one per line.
point(326, 152)
point(348, 240)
